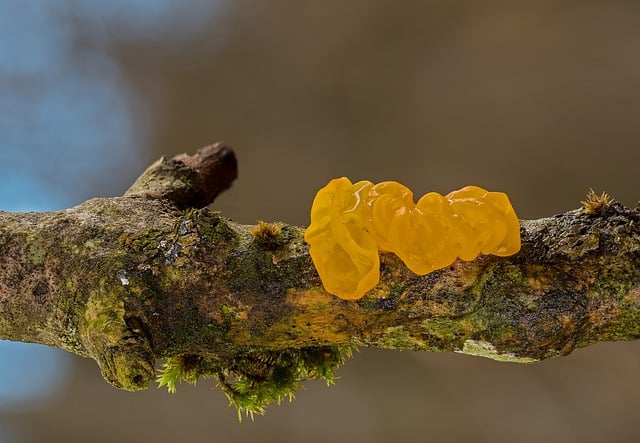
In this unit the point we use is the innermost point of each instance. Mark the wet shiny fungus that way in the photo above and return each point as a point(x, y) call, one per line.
point(352, 222)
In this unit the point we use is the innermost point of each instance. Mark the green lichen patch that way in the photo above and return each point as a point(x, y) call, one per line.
point(37, 254)
point(485, 349)
point(445, 333)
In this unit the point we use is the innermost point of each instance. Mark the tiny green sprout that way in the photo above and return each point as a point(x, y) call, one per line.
point(595, 203)
point(268, 235)
point(182, 368)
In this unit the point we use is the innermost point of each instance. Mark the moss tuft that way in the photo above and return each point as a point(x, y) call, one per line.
point(253, 379)
point(596, 203)
point(268, 235)
point(187, 367)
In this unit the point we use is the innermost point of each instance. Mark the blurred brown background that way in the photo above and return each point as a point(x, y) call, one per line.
point(539, 99)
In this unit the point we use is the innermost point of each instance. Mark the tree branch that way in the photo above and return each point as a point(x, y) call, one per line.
point(155, 274)
point(188, 181)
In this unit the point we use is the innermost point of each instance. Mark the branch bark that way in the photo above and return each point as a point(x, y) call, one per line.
point(156, 274)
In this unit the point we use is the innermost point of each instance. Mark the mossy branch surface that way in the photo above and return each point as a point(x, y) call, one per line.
point(156, 274)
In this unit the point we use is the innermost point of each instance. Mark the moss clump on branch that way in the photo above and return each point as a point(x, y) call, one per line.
point(268, 235)
point(253, 379)
point(595, 203)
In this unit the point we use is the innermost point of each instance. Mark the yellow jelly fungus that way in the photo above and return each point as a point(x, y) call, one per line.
point(350, 223)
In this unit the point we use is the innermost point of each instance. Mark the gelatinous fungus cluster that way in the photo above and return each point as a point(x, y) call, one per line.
point(352, 222)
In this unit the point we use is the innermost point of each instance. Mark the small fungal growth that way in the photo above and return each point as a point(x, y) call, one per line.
point(351, 223)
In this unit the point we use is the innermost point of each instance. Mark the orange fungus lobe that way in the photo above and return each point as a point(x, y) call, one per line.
point(351, 222)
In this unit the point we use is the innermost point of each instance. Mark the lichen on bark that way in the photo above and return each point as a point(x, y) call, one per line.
point(156, 274)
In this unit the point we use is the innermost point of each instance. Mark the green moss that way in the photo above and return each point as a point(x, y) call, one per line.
point(219, 328)
point(104, 315)
point(187, 368)
point(214, 228)
point(446, 329)
point(255, 378)
point(148, 242)
point(268, 235)
point(396, 337)
point(188, 181)
point(616, 321)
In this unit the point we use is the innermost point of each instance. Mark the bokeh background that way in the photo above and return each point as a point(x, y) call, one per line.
point(539, 99)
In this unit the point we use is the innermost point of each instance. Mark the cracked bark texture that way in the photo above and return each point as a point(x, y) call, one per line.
point(156, 274)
